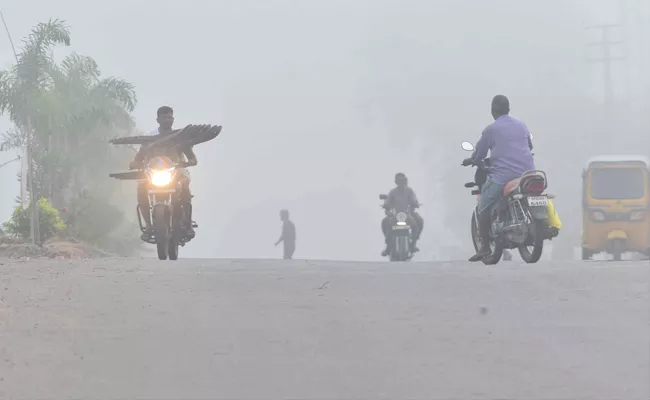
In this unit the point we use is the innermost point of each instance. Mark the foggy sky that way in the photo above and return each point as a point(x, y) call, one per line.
point(323, 101)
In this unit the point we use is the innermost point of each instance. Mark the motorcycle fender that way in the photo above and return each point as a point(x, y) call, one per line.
point(539, 213)
point(401, 231)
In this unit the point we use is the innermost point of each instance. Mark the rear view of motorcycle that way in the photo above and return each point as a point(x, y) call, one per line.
point(520, 219)
point(399, 236)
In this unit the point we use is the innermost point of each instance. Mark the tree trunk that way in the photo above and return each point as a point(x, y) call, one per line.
point(50, 173)
point(34, 223)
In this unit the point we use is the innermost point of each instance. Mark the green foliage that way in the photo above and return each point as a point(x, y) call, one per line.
point(70, 107)
point(72, 111)
point(25, 81)
point(95, 220)
point(51, 223)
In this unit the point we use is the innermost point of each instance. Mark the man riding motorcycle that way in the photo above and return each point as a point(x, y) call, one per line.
point(176, 154)
point(403, 199)
point(509, 143)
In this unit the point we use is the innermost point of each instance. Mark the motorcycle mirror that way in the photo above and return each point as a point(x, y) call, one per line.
point(383, 197)
point(467, 146)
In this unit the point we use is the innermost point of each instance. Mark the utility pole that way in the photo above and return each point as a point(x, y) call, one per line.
point(607, 57)
point(34, 223)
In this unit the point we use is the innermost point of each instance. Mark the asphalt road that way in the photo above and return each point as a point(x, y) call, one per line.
point(219, 329)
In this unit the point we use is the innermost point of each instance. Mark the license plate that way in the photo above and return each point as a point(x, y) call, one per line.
point(396, 228)
point(538, 201)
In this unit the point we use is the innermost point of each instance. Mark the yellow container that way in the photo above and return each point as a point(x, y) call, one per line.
point(553, 219)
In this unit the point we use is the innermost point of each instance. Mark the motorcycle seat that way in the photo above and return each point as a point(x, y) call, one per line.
point(527, 176)
point(511, 186)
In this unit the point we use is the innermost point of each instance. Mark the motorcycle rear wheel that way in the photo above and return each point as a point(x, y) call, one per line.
point(531, 257)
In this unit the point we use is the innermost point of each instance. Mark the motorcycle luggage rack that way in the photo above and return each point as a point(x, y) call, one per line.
point(191, 135)
point(128, 176)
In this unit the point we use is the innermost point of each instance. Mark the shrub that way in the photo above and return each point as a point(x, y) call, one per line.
point(50, 222)
point(98, 222)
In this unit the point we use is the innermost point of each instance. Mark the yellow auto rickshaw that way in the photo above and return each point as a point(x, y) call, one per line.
point(615, 206)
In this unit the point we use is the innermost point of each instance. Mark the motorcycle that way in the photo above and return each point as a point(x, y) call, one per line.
point(170, 217)
point(518, 221)
point(400, 234)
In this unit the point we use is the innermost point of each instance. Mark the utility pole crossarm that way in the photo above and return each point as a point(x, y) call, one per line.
point(603, 44)
point(602, 59)
point(604, 26)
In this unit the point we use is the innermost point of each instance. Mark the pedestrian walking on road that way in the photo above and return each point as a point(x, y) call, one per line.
point(288, 235)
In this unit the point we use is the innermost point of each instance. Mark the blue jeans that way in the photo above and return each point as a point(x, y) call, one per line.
point(491, 193)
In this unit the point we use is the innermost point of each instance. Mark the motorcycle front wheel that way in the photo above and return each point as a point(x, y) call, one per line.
point(400, 250)
point(497, 251)
point(174, 237)
point(161, 231)
point(173, 249)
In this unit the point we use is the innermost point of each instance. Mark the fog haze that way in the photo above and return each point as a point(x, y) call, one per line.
point(322, 102)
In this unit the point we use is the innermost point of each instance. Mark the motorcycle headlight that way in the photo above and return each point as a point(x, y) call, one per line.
point(401, 217)
point(161, 178)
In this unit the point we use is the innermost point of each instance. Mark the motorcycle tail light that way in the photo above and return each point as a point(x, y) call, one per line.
point(534, 186)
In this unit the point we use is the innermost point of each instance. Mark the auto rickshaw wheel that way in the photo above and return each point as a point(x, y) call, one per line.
point(617, 250)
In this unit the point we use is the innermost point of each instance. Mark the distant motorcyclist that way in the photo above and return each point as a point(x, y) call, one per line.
point(509, 143)
point(403, 199)
point(177, 154)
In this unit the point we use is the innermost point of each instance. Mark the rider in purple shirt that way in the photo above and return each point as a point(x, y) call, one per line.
point(509, 143)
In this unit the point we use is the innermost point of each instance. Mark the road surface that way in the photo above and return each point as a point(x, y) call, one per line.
point(219, 329)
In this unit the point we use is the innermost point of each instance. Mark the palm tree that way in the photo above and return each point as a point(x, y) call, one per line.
point(23, 84)
point(64, 112)
point(83, 111)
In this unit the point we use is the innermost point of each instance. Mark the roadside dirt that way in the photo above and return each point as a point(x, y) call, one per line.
point(17, 248)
